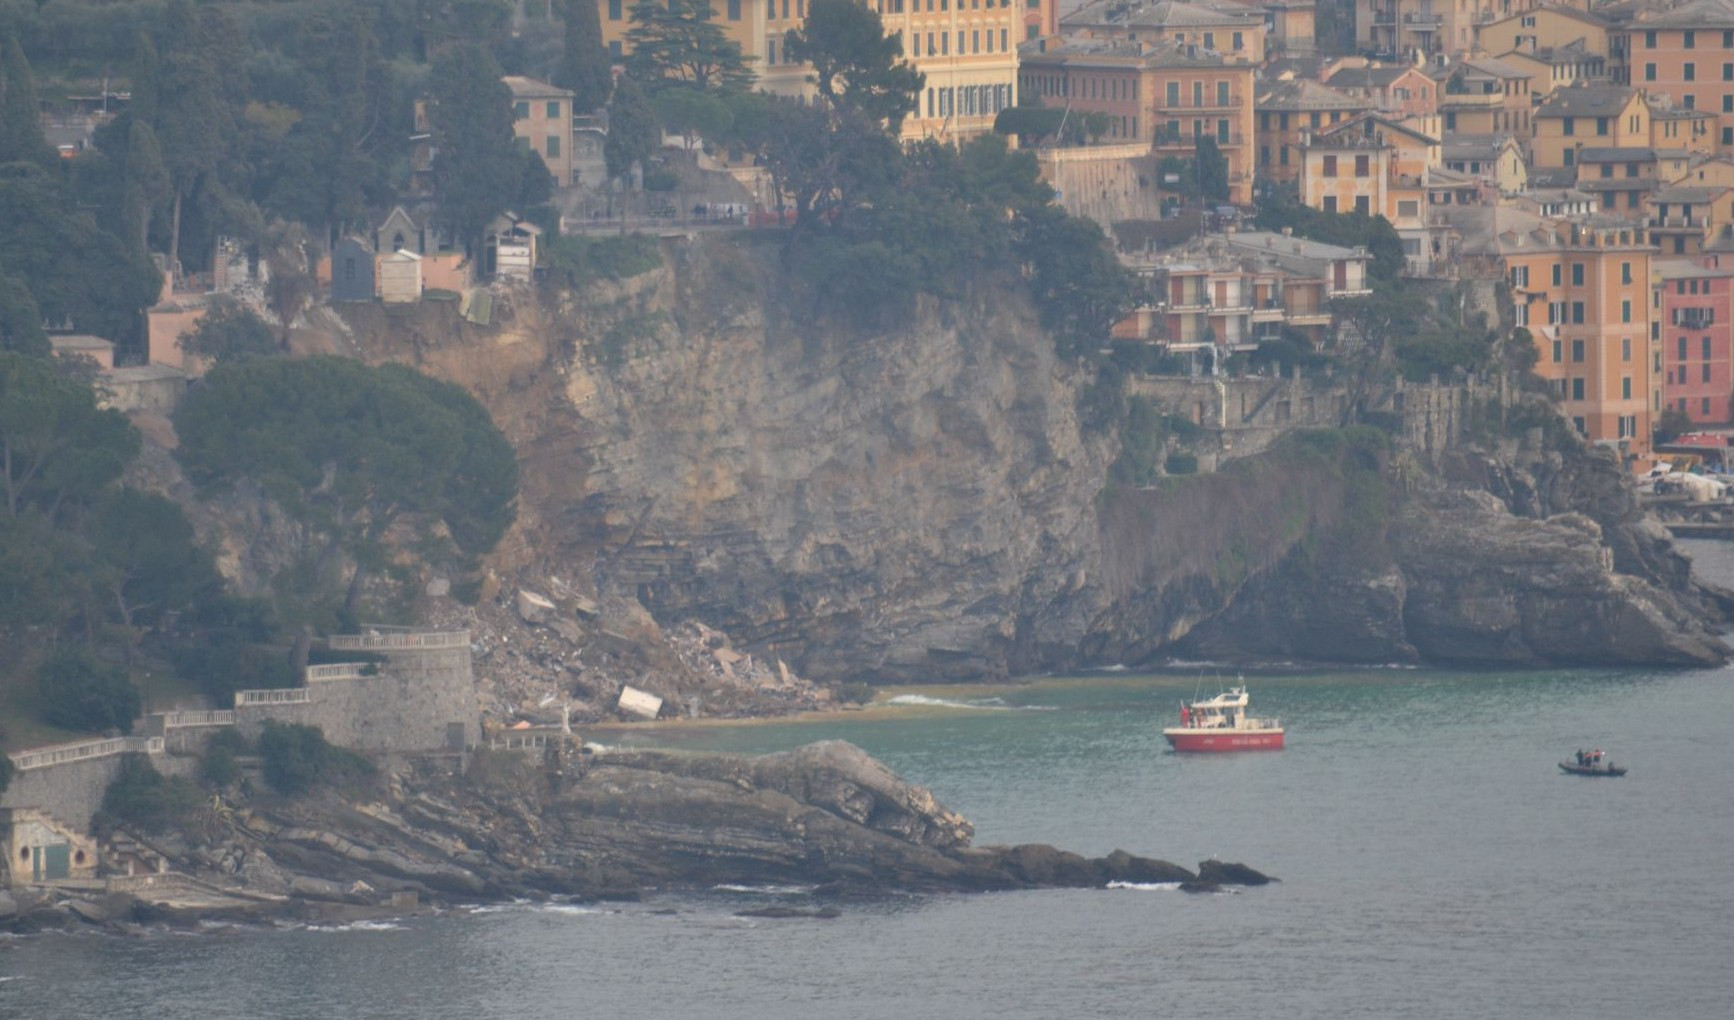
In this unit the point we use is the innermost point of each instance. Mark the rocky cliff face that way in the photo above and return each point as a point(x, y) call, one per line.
point(1514, 560)
point(922, 503)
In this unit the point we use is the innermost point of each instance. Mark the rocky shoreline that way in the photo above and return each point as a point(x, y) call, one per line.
point(586, 827)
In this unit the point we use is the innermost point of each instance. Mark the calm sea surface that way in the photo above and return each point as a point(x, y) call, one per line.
point(1435, 863)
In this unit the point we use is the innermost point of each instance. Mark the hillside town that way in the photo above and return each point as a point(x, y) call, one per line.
point(1576, 157)
point(449, 445)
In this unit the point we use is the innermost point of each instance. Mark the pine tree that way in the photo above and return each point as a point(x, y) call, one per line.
point(584, 67)
point(679, 42)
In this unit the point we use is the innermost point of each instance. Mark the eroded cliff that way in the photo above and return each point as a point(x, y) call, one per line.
point(922, 502)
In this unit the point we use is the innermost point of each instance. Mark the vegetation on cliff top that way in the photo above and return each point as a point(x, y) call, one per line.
point(101, 582)
point(1223, 527)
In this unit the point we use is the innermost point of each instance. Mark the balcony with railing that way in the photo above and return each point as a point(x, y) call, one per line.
point(1680, 222)
point(1181, 140)
point(1422, 22)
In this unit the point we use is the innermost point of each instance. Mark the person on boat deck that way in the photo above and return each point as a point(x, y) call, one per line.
point(1580, 757)
point(1185, 716)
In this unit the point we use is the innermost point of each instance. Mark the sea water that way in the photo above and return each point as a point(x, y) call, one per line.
point(1434, 860)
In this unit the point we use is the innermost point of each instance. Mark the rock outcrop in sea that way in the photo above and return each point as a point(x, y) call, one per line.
point(611, 825)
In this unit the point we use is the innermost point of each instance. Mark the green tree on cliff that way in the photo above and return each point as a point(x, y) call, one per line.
point(20, 118)
point(633, 131)
point(856, 65)
point(584, 65)
point(477, 168)
point(351, 451)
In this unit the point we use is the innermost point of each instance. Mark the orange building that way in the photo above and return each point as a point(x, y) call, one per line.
point(1379, 167)
point(1166, 93)
point(1287, 111)
point(542, 122)
point(1686, 54)
point(1583, 290)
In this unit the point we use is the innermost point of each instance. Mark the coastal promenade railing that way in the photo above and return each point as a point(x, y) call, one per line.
point(277, 696)
point(212, 717)
point(60, 754)
point(382, 640)
point(339, 671)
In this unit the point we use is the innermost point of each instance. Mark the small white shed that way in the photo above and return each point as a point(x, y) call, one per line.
point(400, 277)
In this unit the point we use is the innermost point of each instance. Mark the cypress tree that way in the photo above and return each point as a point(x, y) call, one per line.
point(584, 67)
point(21, 137)
point(633, 132)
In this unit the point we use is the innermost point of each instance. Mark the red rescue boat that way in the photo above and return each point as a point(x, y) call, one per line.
point(1222, 724)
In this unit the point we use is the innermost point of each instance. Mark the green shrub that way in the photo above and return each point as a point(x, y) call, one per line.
point(225, 664)
point(855, 693)
point(6, 770)
point(81, 693)
point(143, 798)
point(576, 260)
point(661, 180)
point(1181, 464)
point(298, 758)
point(218, 766)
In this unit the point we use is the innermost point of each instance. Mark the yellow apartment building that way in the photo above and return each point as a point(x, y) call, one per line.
point(1484, 96)
point(1379, 167)
point(1164, 93)
point(1600, 116)
point(542, 121)
point(967, 49)
point(1543, 28)
point(1495, 158)
point(1556, 67)
point(1287, 112)
point(1687, 130)
point(1686, 54)
point(1717, 172)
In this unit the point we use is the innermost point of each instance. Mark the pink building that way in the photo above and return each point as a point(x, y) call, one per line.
point(1696, 298)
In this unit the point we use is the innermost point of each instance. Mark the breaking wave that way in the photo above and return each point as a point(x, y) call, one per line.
point(988, 704)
